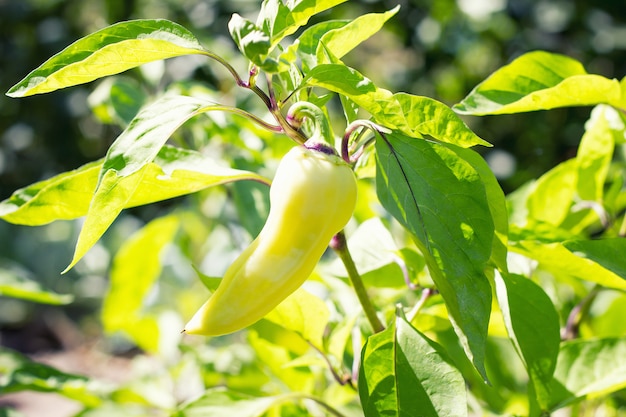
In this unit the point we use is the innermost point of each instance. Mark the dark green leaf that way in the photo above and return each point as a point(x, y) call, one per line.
point(533, 325)
point(440, 198)
point(405, 374)
point(108, 51)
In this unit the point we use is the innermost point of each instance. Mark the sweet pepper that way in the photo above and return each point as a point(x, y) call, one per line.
point(312, 197)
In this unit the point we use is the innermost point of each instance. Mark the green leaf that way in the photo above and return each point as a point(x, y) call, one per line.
point(276, 348)
point(405, 374)
point(421, 183)
point(279, 18)
point(533, 326)
point(540, 81)
point(18, 373)
point(63, 197)
point(173, 173)
point(426, 116)
point(589, 368)
point(497, 207)
point(558, 258)
point(305, 47)
point(304, 314)
point(136, 268)
point(412, 115)
point(141, 141)
point(344, 39)
point(252, 41)
point(109, 51)
point(595, 152)
point(373, 249)
point(553, 194)
point(177, 172)
point(609, 253)
point(117, 100)
point(127, 161)
point(15, 283)
point(221, 402)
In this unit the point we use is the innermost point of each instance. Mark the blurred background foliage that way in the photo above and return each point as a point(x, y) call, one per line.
point(435, 48)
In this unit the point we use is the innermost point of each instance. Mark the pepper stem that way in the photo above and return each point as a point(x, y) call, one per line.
point(303, 109)
point(352, 127)
point(340, 246)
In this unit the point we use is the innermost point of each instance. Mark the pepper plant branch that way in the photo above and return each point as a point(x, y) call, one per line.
point(341, 380)
point(340, 246)
point(577, 314)
point(352, 127)
point(251, 84)
point(236, 110)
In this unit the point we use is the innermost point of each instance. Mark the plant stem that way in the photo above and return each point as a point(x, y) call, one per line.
point(243, 113)
point(340, 246)
point(577, 315)
point(251, 85)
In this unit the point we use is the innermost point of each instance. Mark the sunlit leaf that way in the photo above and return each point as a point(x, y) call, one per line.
point(589, 368)
point(420, 184)
point(275, 349)
point(127, 161)
point(278, 18)
point(18, 373)
point(136, 267)
point(539, 81)
point(552, 196)
point(609, 253)
point(62, 197)
point(14, 283)
point(253, 42)
point(595, 151)
point(560, 259)
point(415, 116)
point(108, 51)
point(344, 39)
point(173, 173)
point(403, 373)
point(303, 313)
point(533, 325)
point(305, 47)
point(426, 116)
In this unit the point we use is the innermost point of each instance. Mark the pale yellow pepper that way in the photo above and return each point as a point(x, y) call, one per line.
point(312, 197)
